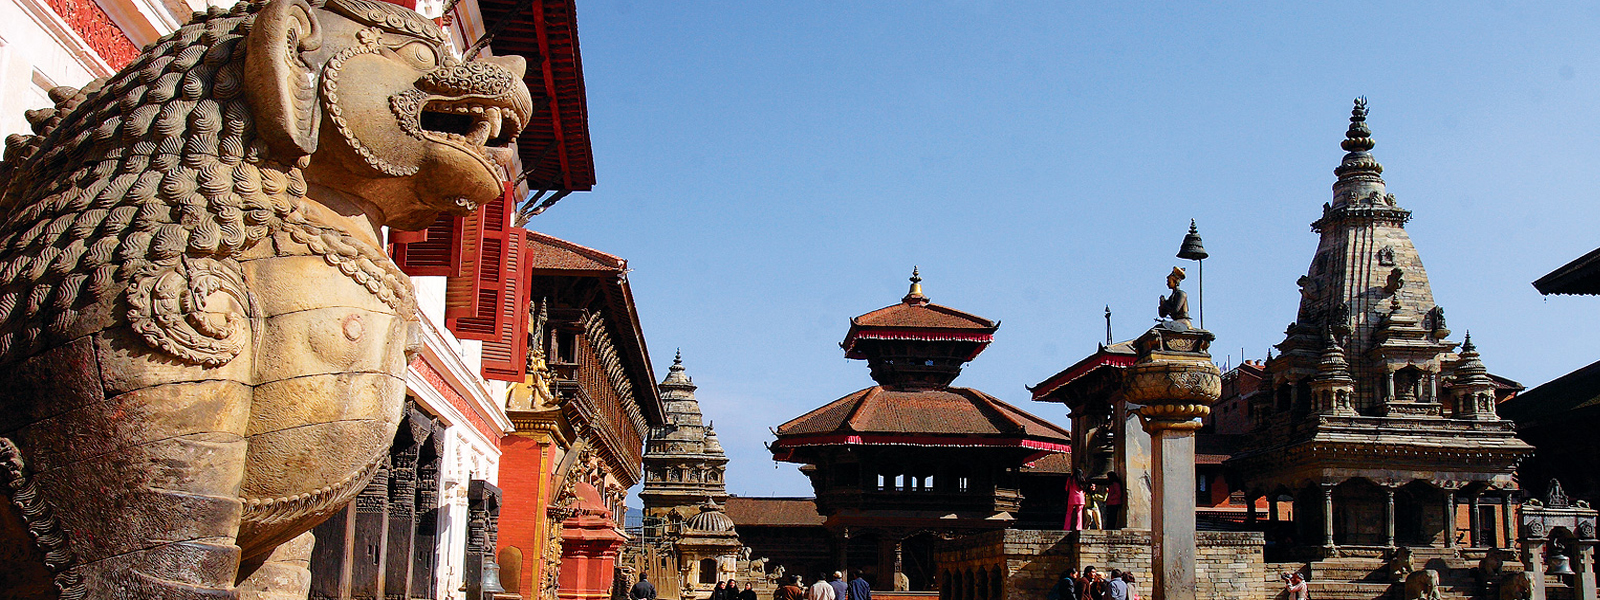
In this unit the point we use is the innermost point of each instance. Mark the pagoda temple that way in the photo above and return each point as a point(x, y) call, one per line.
point(1374, 422)
point(913, 459)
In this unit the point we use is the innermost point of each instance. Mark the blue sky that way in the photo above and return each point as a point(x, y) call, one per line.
point(771, 169)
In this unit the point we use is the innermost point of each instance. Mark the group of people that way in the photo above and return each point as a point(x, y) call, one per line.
point(1092, 584)
point(729, 590)
point(1093, 505)
point(831, 586)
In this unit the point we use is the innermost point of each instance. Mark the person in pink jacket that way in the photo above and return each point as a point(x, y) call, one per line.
point(1076, 499)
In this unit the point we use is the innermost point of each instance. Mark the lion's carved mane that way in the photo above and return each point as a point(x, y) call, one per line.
point(155, 176)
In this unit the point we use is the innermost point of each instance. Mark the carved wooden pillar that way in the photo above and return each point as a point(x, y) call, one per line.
point(425, 543)
point(1388, 516)
point(330, 557)
point(370, 537)
point(403, 458)
point(483, 512)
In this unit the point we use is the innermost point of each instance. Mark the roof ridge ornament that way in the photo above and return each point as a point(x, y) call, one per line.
point(915, 296)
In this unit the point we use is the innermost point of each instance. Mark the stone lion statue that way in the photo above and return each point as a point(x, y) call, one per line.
point(202, 342)
point(1516, 586)
point(1422, 585)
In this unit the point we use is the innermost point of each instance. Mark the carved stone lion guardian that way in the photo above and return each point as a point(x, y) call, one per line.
point(202, 342)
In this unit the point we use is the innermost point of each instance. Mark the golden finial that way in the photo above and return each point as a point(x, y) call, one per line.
point(915, 296)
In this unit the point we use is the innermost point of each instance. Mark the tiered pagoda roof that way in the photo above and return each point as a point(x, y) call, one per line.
point(915, 349)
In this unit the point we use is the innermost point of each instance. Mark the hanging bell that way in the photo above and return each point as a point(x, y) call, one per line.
point(1559, 565)
point(491, 578)
point(1191, 248)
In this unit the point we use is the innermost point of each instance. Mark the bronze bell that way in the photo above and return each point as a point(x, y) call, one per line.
point(1559, 565)
point(491, 578)
point(1191, 248)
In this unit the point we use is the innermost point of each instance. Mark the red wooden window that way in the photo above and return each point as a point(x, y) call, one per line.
point(474, 301)
point(506, 357)
point(435, 251)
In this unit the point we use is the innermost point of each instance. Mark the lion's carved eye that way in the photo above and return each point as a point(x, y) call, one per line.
point(419, 54)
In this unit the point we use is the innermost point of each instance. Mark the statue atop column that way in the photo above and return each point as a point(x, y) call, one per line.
point(1174, 308)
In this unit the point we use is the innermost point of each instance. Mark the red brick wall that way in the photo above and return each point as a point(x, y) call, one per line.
point(524, 482)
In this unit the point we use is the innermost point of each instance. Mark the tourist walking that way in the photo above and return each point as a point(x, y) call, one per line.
point(820, 590)
point(1295, 588)
point(789, 590)
point(1066, 587)
point(859, 588)
point(644, 590)
point(1075, 502)
point(1133, 589)
point(841, 590)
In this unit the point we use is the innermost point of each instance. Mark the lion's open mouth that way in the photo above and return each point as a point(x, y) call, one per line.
point(482, 125)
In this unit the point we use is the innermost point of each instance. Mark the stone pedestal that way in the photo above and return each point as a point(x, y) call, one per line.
point(1174, 383)
point(1172, 514)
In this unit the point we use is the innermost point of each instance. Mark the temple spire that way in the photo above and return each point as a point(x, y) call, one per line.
point(1358, 138)
point(1360, 175)
point(915, 296)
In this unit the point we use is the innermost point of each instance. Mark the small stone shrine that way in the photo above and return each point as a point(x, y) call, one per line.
point(1557, 537)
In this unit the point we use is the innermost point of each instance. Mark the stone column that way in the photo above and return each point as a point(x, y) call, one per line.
point(1533, 563)
point(1449, 519)
point(1474, 521)
point(1174, 383)
point(1505, 519)
point(1388, 516)
point(1327, 518)
point(1584, 557)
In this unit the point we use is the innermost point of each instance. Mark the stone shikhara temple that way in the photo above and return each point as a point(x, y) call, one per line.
point(1376, 424)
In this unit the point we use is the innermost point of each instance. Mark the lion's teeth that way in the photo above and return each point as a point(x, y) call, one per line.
point(495, 122)
point(480, 133)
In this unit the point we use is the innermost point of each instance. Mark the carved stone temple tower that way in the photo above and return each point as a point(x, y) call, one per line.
point(691, 542)
point(683, 461)
point(1374, 424)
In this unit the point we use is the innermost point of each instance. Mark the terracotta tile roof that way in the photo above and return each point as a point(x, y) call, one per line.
point(932, 316)
point(550, 253)
point(779, 512)
point(949, 411)
point(1118, 355)
point(1050, 463)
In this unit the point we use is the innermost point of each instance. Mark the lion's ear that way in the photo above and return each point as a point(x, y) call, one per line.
point(281, 88)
